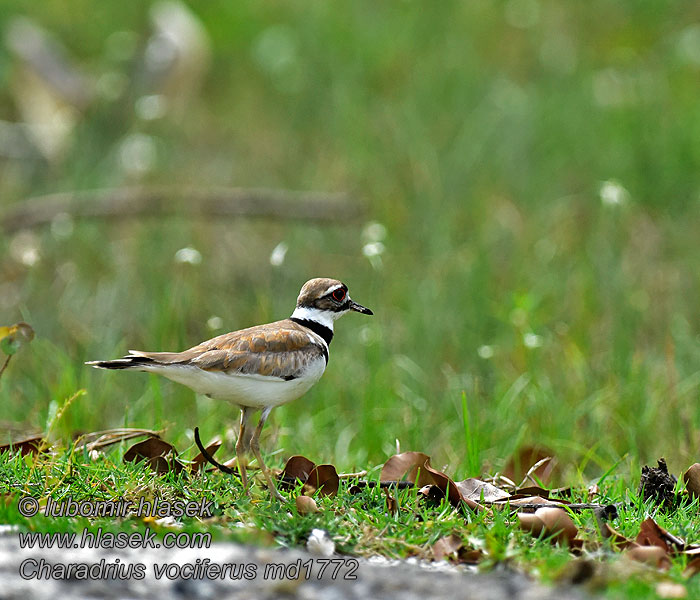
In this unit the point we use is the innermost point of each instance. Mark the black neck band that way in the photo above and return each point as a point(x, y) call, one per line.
point(321, 330)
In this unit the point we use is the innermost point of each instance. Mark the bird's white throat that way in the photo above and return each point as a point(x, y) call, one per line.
point(324, 317)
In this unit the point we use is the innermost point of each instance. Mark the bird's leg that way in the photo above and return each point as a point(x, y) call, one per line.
point(243, 445)
point(255, 447)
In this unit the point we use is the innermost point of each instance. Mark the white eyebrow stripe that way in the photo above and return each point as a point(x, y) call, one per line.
point(332, 289)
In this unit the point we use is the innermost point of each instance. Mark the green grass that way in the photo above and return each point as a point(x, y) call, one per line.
point(360, 524)
point(484, 137)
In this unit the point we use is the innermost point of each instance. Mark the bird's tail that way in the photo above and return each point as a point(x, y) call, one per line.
point(127, 362)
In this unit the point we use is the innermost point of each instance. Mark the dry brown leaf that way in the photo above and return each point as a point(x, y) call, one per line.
point(161, 456)
point(692, 480)
point(452, 548)
point(577, 572)
point(448, 487)
point(521, 463)
point(432, 494)
point(470, 557)
point(531, 490)
point(652, 555)
point(324, 478)
point(415, 467)
point(557, 523)
point(693, 567)
point(618, 541)
point(651, 534)
point(392, 506)
point(407, 465)
point(306, 505)
point(232, 463)
point(530, 523)
point(26, 446)
point(198, 462)
point(297, 467)
point(446, 546)
point(96, 440)
point(474, 488)
point(529, 500)
point(553, 523)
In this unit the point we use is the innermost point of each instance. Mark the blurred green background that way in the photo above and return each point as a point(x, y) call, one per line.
point(530, 172)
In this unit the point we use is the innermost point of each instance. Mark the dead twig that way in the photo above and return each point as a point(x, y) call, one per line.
point(208, 457)
point(214, 203)
point(101, 439)
point(351, 475)
point(5, 363)
point(532, 469)
point(576, 507)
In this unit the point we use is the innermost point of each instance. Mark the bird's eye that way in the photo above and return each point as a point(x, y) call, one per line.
point(339, 295)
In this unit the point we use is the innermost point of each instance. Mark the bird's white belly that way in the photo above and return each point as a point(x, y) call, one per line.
point(244, 390)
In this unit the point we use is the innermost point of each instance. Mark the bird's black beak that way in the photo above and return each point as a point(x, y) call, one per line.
point(359, 308)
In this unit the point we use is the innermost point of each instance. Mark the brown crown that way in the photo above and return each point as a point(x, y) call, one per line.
point(312, 291)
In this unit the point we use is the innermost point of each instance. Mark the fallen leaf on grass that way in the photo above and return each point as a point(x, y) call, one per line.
point(651, 534)
point(531, 462)
point(618, 541)
point(232, 463)
point(553, 523)
point(691, 479)
point(27, 446)
point(530, 490)
point(654, 545)
point(324, 478)
point(529, 502)
point(449, 488)
point(653, 555)
point(97, 440)
point(415, 467)
point(692, 568)
point(480, 491)
point(161, 456)
point(392, 505)
point(452, 547)
point(198, 462)
point(408, 465)
point(576, 572)
point(446, 546)
point(297, 467)
point(432, 494)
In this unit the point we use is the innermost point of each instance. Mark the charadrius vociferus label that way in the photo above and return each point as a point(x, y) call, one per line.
point(260, 367)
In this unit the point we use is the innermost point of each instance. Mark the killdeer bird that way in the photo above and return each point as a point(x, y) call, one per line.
point(256, 368)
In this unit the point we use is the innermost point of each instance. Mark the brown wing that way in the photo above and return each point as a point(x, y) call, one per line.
point(283, 349)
